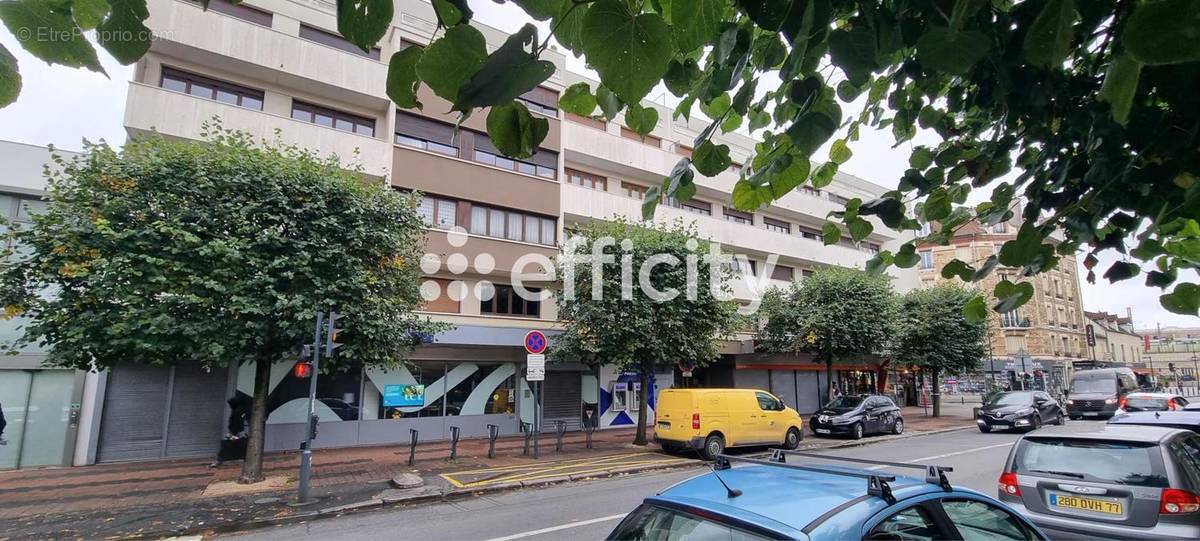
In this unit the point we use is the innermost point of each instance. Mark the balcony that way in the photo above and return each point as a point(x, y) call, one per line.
point(150, 108)
point(185, 31)
point(584, 204)
point(472, 181)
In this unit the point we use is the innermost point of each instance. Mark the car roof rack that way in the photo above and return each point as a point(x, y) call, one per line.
point(933, 474)
point(877, 484)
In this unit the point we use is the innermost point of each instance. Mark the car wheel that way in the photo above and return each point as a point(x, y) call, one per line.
point(898, 426)
point(713, 446)
point(1075, 417)
point(792, 439)
point(856, 431)
point(985, 428)
point(1036, 423)
point(1061, 419)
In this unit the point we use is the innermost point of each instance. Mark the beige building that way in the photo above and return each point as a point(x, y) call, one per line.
point(1049, 328)
point(1116, 341)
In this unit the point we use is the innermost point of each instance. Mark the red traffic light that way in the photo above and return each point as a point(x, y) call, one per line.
point(303, 369)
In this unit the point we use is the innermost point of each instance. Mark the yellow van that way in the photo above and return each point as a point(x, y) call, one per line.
point(709, 420)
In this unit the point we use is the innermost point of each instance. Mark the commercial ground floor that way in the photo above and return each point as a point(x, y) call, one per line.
point(798, 380)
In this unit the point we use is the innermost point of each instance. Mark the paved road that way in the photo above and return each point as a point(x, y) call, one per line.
point(590, 510)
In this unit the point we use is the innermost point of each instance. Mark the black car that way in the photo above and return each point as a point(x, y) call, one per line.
point(1026, 410)
point(856, 416)
point(1186, 420)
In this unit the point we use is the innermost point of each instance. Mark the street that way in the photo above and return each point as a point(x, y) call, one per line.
point(590, 510)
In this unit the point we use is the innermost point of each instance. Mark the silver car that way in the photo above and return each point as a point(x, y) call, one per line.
point(1107, 482)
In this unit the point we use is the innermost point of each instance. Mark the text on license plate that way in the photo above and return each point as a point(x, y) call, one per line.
point(1086, 504)
point(664, 425)
point(822, 431)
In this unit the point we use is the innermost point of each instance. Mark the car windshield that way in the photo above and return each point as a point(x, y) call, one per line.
point(1126, 463)
point(844, 403)
point(1134, 403)
point(1010, 399)
point(1094, 385)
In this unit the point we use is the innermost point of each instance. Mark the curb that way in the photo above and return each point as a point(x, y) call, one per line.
point(452, 494)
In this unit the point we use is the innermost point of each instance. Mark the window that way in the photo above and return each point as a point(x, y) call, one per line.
point(697, 207)
point(420, 132)
point(480, 391)
point(809, 190)
point(506, 301)
point(14, 208)
point(541, 100)
point(767, 402)
point(543, 163)
point(913, 523)
point(636, 191)
point(870, 247)
point(211, 89)
point(650, 139)
point(808, 233)
point(926, 259)
point(735, 168)
point(1011, 318)
point(241, 11)
point(444, 302)
point(322, 116)
point(1000, 228)
point(650, 522)
point(337, 42)
point(1097, 461)
point(838, 199)
point(777, 226)
point(587, 121)
point(781, 272)
point(743, 266)
point(437, 212)
point(587, 180)
point(635, 397)
point(683, 150)
point(738, 217)
point(979, 521)
point(1187, 455)
point(620, 396)
point(512, 225)
point(926, 229)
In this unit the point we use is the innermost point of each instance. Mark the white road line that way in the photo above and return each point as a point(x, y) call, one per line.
point(566, 526)
point(956, 453)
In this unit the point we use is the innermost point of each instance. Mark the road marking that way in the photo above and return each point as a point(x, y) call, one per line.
point(530, 472)
point(944, 455)
point(560, 527)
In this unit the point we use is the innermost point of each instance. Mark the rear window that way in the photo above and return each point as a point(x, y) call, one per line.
point(1145, 404)
point(653, 523)
point(1125, 463)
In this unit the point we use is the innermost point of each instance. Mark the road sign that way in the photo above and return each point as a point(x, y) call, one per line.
point(535, 367)
point(535, 342)
point(1091, 335)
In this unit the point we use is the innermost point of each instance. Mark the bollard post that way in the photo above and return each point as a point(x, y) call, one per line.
point(590, 428)
point(560, 427)
point(453, 443)
point(528, 430)
point(412, 447)
point(493, 433)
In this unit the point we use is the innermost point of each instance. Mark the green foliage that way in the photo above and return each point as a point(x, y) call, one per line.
point(10, 77)
point(217, 254)
point(450, 62)
point(364, 22)
point(507, 73)
point(30, 20)
point(402, 80)
point(124, 33)
point(641, 120)
point(515, 131)
point(933, 332)
point(629, 50)
point(578, 99)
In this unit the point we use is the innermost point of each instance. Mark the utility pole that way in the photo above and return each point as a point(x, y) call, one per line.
point(306, 446)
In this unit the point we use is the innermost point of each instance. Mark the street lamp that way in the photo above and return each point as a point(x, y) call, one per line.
point(1022, 355)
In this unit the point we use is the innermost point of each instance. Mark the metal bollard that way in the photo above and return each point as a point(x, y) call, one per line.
point(590, 429)
point(560, 428)
point(412, 447)
point(528, 430)
point(453, 443)
point(493, 433)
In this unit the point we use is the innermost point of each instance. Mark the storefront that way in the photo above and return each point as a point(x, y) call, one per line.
point(796, 379)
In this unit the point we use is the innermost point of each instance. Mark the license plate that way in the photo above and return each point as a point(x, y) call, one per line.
point(1107, 507)
point(664, 425)
point(822, 431)
point(1091, 414)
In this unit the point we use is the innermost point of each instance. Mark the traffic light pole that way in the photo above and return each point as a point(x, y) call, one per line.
point(306, 447)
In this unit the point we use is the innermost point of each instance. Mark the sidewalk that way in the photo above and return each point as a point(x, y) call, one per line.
point(185, 496)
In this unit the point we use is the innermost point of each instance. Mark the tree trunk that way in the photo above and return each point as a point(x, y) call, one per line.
point(643, 401)
point(828, 380)
point(252, 471)
point(935, 392)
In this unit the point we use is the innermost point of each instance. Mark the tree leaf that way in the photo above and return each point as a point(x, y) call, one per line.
point(448, 63)
point(1011, 296)
point(767, 14)
point(830, 234)
point(759, 119)
point(10, 77)
point(906, 257)
point(953, 52)
point(1121, 270)
point(859, 228)
point(839, 153)
point(1120, 86)
point(514, 130)
point(786, 180)
point(365, 22)
point(958, 268)
point(696, 25)
point(976, 309)
point(710, 159)
point(1048, 41)
point(879, 263)
point(641, 120)
point(681, 75)
point(402, 77)
point(823, 176)
point(748, 197)
point(609, 103)
point(28, 20)
point(540, 10)
point(1020, 251)
point(889, 211)
point(681, 183)
point(1163, 32)
point(509, 72)
point(650, 202)
point(568, 25)
point(89, 13)
point(1184, 300)
point(124, 33)
point(629, 51)
point(578, 99)
point(921, 158)
point(937, 205)
point(856, 51)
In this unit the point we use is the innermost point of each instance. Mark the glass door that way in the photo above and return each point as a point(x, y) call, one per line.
point(37, 408)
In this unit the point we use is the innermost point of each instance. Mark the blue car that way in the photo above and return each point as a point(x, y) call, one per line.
point(775, 499)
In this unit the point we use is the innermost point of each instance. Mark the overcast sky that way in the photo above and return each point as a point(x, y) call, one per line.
point(62, 106)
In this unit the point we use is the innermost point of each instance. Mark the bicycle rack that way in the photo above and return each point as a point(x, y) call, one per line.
point(588, 433)
point(560, 428)
point(412, 447)
point(453, 443)
point(528, 430)
point(493, 433)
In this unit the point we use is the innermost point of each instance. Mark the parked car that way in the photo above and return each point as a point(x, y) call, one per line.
point(1096, 393)
point(1151, 402)
point(777, 500)
point(1106, 481)
point(857, 416)
point(1186, 420)
point(1026, 410)
point(711, 420)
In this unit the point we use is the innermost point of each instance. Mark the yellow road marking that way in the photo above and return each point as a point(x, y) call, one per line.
point(530, 472)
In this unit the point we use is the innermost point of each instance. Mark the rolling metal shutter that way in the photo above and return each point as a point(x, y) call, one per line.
point(158, 412)
point(195, 425)
point(562, 400)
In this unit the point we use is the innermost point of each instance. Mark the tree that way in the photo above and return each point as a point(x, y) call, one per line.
point(637, 332)
point(835, 314)
point(215, 253)
point(1081, 115)
point(934, 334)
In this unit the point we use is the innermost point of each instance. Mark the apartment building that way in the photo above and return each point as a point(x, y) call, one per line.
point(1116, 340)
point(1049, 328)
point(277, 69)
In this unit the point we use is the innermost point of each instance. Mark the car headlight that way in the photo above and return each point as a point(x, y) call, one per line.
point(1110, 401)
point(842, 420)
point(1071, 402)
